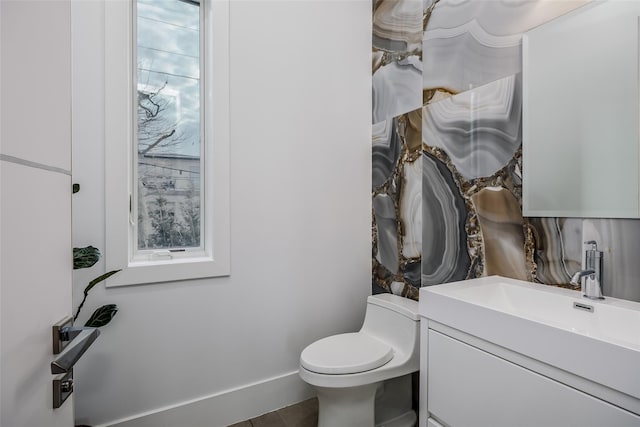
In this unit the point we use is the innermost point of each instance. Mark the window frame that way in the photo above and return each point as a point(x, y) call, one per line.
point(120, 116)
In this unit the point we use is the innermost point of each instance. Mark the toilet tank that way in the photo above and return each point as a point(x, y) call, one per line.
point(393, 319)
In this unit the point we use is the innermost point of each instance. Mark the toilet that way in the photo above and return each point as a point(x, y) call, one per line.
point(363, 379)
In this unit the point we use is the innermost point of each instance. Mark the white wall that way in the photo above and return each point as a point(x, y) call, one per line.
point(300, 211)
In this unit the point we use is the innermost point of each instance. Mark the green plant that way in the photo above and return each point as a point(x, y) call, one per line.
point(85, 258)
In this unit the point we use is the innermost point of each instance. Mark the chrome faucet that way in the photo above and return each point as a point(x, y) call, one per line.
point(590, 277)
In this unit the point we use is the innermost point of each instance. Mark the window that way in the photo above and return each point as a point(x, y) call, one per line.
point(167, 144)
point(166, 126)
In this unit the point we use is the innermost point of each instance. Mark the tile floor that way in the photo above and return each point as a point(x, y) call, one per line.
point(303, 414)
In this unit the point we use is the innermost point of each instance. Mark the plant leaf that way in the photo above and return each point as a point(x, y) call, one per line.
point(85, 257)
point(99, 279)
point(102, 316)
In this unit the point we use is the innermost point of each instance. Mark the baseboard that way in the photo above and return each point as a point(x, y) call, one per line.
point(227, 407)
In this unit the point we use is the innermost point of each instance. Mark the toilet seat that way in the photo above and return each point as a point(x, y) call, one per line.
point(345, 354)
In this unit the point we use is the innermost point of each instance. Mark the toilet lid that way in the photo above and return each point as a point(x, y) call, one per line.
point(345, 354)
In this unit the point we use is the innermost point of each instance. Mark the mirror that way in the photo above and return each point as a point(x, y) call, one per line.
point(581, 113)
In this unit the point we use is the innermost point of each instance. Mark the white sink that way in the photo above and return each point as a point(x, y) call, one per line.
point(542, 322)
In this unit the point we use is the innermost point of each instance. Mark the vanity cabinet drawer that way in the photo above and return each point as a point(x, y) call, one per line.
point(470, 387)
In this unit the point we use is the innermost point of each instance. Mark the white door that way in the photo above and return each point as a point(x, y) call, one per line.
point(35, 202)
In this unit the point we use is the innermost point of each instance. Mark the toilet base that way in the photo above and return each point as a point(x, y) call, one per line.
point(346, 407)
point(381, 404)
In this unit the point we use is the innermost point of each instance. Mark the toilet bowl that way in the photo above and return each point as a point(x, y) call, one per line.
point(363, 379)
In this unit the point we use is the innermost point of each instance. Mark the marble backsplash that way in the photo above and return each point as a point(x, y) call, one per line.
point(447, 153)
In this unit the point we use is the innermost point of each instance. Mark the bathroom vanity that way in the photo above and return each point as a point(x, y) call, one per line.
point(503, 352)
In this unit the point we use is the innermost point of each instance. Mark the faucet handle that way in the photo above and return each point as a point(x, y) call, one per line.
point(576, 279)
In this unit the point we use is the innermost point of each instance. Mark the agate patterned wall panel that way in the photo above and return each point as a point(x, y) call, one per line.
point(472, 124)
point(447, 156)
point(397, 141)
